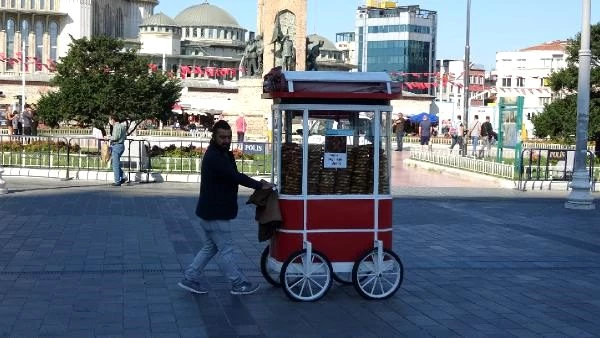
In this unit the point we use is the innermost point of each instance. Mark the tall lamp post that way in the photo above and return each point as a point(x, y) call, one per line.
point(466, 74)
point(580, 196)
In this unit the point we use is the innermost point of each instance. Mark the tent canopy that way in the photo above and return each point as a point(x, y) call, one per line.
point(419, 117)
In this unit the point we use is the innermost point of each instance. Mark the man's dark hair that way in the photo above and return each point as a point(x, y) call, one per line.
point(458, 116)
point(221, 124)
point(114, 117)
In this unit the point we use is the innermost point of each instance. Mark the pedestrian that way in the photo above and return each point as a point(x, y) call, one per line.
point(487, 134)
point(240, 127)
point(117, 145)
point(16, 123)
point(457, 132)
point(398, 128)
point(216, 208)
point(425, 131)
point(27, 118)
point(474, 133)
point(8, 114)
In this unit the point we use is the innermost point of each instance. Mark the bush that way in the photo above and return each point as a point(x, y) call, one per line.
point(190, 152)
point(39, 146)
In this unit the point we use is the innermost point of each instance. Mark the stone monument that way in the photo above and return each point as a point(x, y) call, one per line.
point(282, 24)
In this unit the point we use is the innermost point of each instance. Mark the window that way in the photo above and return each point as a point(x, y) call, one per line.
point(506, 82)
point(23, 4)
point(195, 32)
point(520, 82)
point(52, 5)
point(32, 4)
point(544, 82)
point(39, 43)
point(13, 3)
point(42, 4)
point(544, 101)
point(10, 41)
point(25, 34)
point(53, 30)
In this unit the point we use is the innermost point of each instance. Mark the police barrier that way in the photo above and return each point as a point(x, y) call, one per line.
point(141, 157)
point(552, 165)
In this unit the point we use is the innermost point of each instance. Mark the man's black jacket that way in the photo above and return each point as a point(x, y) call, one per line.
point(219, 180)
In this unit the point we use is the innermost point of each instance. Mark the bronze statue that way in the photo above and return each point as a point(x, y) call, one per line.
point(260, 49)
point(251, 59)
point(287, 53)
point(311, 57)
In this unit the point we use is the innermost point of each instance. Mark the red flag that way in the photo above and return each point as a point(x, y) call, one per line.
point(153, 67)
point(210, 71)
point(197, 70)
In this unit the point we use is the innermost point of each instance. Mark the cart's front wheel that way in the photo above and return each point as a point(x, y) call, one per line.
point(306, 278)
point(271, 275)
point(377, 277)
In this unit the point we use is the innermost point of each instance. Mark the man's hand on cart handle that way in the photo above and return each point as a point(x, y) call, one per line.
point(267, 185)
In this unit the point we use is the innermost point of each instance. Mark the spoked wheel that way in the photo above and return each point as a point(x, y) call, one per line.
point(271, 275)
point(344, 278)
point(306, 278)
point(378, 279)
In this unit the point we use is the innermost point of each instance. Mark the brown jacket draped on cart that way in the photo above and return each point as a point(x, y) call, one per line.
point(268, 214)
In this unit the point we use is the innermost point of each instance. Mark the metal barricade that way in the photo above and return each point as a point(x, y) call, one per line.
point(551, 165)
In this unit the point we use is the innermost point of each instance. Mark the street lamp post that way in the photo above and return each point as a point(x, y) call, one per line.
point(580, 196)
point(466, 75)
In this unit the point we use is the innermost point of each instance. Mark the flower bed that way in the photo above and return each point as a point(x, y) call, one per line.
point(191, 152)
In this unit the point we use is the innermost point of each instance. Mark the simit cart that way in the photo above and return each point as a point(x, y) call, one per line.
point(331, 164)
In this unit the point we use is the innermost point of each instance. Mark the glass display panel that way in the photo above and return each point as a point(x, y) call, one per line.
point(291, 152)
point(340, 153)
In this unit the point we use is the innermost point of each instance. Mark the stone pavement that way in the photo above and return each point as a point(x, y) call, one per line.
point(81, 259)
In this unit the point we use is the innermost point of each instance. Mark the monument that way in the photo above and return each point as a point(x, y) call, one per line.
point(280, 41)
point(282, 24)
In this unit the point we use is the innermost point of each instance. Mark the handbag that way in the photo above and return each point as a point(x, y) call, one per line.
point(105, 152)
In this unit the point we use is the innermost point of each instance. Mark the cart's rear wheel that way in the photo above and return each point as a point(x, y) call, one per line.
point(271, 275)
point(344, 278)
point(378, 279)
point(306, 278)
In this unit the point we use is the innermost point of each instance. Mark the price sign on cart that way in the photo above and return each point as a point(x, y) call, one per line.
point(335, 152)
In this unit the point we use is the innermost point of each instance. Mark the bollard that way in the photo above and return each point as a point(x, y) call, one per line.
point(3, 189)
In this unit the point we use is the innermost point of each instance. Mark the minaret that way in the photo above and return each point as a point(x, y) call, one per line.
point(139, 10)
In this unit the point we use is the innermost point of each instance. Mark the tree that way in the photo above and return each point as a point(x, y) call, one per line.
point(559, 118)
point(98, 77)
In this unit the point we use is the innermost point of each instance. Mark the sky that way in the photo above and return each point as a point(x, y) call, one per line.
point(496, 25)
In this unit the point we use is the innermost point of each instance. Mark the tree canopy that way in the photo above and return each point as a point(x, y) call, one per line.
point(559, 118)
point(98, 77)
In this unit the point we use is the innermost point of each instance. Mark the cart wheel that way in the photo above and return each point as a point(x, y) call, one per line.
point(270, 275)
point(344, 278)
point(378, 281)
point(306, 278)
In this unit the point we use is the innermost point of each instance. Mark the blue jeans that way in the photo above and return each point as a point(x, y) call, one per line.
point(116, 152)
point(475, 143)
point(399, 140)
point(218, 239)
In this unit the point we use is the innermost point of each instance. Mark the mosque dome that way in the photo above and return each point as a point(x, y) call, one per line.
point(327, 44)
point(159, 20)
point(206, 15)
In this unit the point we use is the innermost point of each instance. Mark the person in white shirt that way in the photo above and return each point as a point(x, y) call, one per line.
point(475, 133)
point(457, 131)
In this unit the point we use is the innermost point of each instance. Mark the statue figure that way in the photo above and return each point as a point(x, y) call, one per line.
point(284, 32)
point(250, 59)
point(260, 49)
point(287, 53)
point(311, 58)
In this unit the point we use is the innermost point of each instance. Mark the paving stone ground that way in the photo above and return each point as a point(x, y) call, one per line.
point(81, 259)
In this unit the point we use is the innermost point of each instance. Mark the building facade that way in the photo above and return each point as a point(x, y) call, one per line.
point(525, 73)
point(346, 42)
point(331, 57)
point(399, 39)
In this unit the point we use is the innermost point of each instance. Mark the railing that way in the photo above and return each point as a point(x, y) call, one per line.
point(552, 165)
point(465, 163)
point(141, 156)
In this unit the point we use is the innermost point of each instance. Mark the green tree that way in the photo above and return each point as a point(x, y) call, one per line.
point(559, 118)
point(98, 77)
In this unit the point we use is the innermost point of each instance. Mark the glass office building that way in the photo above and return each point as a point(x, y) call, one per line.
point(397, 39)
